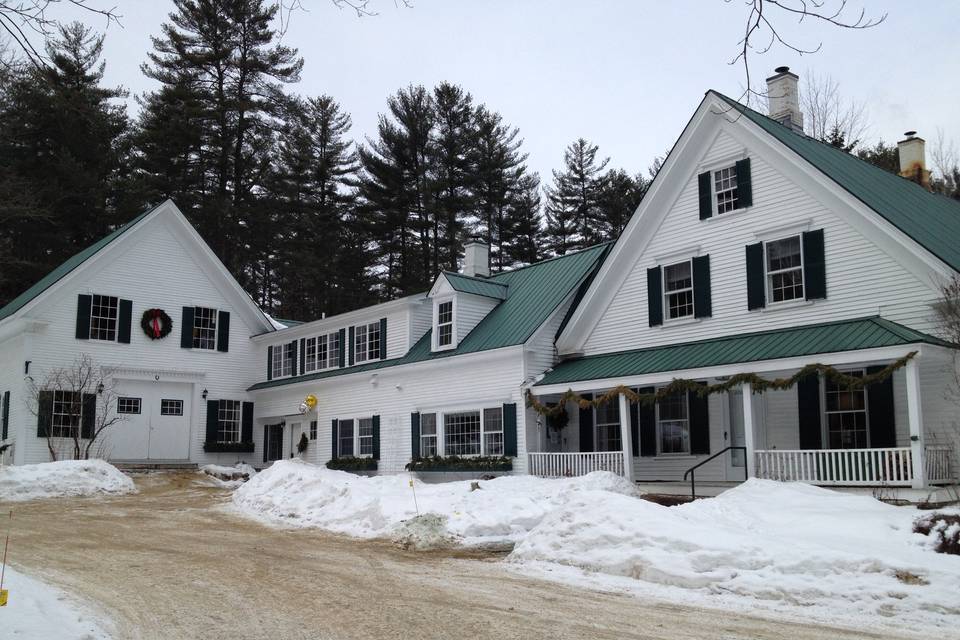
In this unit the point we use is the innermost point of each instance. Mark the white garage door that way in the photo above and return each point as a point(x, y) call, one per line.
point(155, 422)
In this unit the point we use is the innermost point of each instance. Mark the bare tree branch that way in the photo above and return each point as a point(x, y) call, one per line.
point(764, 18)
point(20, 17)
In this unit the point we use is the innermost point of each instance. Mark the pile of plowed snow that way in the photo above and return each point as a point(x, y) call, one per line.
point(64, 478)
point(502, 510)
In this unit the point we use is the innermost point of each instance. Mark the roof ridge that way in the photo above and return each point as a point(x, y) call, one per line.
point(592, 247)
point(487, 280)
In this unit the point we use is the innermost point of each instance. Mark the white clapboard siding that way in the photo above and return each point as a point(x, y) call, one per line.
point(152, 267)
point(862, 280)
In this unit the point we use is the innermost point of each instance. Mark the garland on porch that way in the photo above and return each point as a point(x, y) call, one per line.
point(678, 385)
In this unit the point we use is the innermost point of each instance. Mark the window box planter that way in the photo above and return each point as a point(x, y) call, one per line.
point(351, 463)
point(228, 447)
point(455, 463)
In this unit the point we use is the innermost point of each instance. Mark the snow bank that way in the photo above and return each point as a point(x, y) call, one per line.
point(37, 611)
point(503, 510)
point(65, 478)
point(229, 477)
point(781, 543)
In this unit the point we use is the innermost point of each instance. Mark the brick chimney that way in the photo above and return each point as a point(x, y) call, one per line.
point(476, 258)
point(913, 159)
point(783, 98)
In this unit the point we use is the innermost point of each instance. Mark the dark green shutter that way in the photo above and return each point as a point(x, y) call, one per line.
point(814, 265)
point(293, 357)
point(303, 356)
point(213, 420)
point(383, 338)
point(414, 435)
point(880, 412)
point(44, 413)
point(186, 328)
point(586, 426)
point(6, 416)
point(223, 331)
point(808, 404)
point(654, 296)
point(702, 301)
point(246, 422)
point(269, 363)
point(352, 347)
point(124, 320)
point(706, 195)
point(510, 429)
point(699, 422)
point(376, 437)
point(83, 317)
point(756, 285)
point(744, 184)
point(313, 429)
point(334, 433)
point(266, 441)
point(635, 429)
point(88, 416)
point(343, 348)
point(647, 418)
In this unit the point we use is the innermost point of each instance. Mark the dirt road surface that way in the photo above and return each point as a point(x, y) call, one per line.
point(171, 562)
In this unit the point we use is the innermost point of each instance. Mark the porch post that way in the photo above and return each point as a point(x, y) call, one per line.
point(750, 458)
point(915, 419)
point(625, 440)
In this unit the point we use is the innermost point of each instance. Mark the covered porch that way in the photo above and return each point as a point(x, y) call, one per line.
point(897, 431)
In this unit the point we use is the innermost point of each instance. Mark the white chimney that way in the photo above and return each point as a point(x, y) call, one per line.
point(913, 159)
point(476, 258)
point(783, 98)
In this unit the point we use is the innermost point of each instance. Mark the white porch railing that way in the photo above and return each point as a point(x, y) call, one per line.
point(562, 465)
point(851, 467)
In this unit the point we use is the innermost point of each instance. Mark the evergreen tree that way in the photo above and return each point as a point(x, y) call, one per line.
point(223, 57)
point(882, 155)
point(394, 192)
point(522, 233)
point(62, 147)
point(575, 217)
point(620, 195)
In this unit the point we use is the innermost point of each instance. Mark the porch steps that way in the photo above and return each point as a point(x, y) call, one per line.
point(666, 488)
point(158, 465)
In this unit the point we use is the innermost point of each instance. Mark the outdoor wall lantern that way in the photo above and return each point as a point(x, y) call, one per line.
point(100, 389)
point(204, 394)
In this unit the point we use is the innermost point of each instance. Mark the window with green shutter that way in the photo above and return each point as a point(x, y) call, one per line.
point(726, 189)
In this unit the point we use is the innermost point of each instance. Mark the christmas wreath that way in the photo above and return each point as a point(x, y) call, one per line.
point(156, 323)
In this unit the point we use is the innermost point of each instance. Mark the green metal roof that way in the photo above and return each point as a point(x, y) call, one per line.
point(533, 294)
point(477, 286)
point(832, 337)
point(69, 265)
point(931, 219)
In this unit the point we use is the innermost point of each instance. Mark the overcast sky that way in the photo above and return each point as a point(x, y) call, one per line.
point(624, 74)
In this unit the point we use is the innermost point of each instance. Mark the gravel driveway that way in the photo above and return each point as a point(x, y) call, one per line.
point(171, 562)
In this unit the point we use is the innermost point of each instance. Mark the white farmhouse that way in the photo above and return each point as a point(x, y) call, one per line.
point(756, 253)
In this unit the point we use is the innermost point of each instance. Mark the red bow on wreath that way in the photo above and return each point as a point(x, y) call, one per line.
point(155, 323)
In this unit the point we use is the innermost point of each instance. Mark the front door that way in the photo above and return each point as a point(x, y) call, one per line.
point(272, 442)
point(733, 436)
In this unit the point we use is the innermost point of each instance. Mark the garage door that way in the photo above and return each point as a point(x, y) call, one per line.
point(155, 422)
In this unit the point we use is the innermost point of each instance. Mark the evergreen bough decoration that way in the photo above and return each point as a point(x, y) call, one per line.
point(678, 385)
point(156, 324)
point(352, 463)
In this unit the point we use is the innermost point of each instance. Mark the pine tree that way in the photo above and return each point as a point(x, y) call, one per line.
point(62, 146)
point(224, 57)
point(882, 155)
point(574, 212)
point(619, 196)
point(522, 233)
point(395, 197)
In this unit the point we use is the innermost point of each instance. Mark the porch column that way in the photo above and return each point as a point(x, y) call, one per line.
point(750, 461)
point(915, 420)
point(625, 439)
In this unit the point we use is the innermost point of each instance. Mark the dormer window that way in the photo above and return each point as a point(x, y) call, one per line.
point(445, 324)
point(367, 342)
point(444, 336)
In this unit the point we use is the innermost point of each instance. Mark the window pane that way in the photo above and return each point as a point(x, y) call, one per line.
point(462, 433)
point(333, 350)
point(128, 405)
point(67, 410)
point(204, 328)
point(783, 254)
point(170, 407)
point(229, 421)
point(346, 438)
point(428, 424)
point(678, 276)
point(725, 187)
point(607, 418)
point(103, 317)
point(365, 436)
point(673, 425)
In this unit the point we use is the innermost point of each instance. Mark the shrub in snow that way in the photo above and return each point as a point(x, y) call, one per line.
point(943, 529)
point(64, 478)
point(352, 463)
point(456, 463)
point(424, 533)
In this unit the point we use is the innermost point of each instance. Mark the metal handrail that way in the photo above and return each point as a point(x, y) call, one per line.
point(693, 476)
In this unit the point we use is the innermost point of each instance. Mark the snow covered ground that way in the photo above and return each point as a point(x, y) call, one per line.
point(37, 611)
point(65, 478)
point(796, 549)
